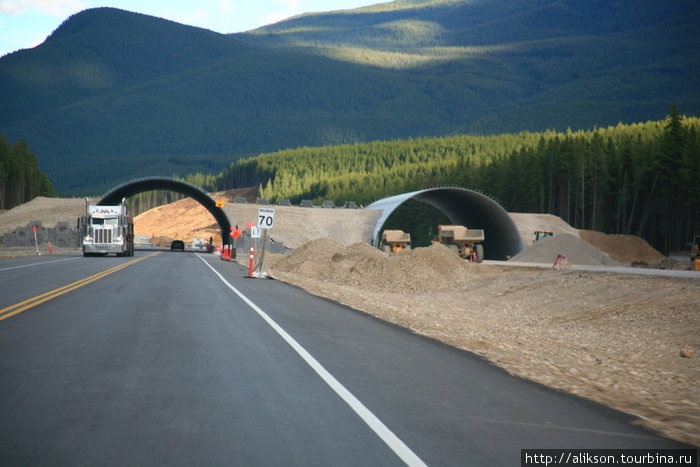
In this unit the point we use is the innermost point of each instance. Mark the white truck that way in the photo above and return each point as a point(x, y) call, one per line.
point(105, 230)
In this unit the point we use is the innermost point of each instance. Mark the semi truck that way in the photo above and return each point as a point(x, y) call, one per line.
point(106, 229)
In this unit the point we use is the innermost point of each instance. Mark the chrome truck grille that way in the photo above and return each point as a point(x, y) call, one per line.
point(103, 235)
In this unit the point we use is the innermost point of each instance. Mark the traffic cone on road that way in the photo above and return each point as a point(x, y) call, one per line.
point(50, 248)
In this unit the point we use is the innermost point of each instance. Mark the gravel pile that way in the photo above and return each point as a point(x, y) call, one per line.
point(576, 250)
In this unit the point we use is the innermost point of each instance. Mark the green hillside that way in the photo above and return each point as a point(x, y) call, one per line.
point(113, 95)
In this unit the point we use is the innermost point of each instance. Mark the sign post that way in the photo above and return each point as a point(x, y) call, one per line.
point(36, 243)
point(266, 220)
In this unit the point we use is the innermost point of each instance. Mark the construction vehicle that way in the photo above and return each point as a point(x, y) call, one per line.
point(465, 242)
point(393, 241)
point(106, 229)
point(540, 234)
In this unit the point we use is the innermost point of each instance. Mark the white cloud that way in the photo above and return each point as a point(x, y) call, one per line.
point(225, 6)
point(59, 8)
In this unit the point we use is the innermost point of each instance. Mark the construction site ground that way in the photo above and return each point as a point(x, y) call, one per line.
point(630, 342)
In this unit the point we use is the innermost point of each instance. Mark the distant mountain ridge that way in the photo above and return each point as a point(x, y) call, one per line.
point(113, 95)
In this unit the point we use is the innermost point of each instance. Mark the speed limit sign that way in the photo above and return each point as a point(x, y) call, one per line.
point(266, 218)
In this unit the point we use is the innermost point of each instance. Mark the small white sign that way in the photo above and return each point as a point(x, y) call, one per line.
point(254, 232)
point(266, 218)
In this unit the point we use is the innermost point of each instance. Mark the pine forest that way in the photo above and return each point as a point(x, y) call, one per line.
point(639, 179)
point(20, 177)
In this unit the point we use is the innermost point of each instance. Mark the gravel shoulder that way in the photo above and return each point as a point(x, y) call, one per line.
point(629, 342)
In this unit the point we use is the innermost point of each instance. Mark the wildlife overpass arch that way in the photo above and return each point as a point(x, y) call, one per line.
point(463, 207)
point(160, 183)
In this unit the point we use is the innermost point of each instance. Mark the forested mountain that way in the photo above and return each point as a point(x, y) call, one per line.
point(112, 95)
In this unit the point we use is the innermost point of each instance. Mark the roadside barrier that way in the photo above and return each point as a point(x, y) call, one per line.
point(227, 254)
point(252, 260)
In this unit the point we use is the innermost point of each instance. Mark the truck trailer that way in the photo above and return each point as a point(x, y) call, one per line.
point(106, 229)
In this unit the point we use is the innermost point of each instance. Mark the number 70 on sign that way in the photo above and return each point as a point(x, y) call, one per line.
point(266, 218)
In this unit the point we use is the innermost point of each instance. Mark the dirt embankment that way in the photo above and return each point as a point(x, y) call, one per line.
point(630, 342)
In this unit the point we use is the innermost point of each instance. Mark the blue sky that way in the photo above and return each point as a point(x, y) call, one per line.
point(26, 23)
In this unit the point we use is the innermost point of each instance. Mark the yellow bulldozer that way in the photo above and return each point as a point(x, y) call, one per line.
point(393, 241)
point(463, 241)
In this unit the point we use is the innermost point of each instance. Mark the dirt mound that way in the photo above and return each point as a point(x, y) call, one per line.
point(623, 248)
point(185, 219)
point(576, 250)
point(47, 210)
point(361, 265)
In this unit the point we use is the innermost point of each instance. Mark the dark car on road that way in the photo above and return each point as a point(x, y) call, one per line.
point(177, 245)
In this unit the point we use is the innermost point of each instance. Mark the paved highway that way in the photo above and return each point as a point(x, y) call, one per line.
point(176, 359)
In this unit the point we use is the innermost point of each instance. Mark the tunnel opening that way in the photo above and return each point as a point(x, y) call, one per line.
point(418, 219)
point(161, 183)
point(460, 206)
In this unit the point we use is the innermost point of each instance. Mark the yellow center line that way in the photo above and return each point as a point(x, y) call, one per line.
point(17, 308)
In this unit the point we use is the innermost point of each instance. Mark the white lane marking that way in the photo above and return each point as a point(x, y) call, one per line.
point(385, 434)
point(38, 264)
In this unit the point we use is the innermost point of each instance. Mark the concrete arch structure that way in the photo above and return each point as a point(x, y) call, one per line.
point(161, 183)
point(462, 207)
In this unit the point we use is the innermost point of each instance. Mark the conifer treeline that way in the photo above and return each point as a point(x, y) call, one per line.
point(637, 179)
point(20, 177)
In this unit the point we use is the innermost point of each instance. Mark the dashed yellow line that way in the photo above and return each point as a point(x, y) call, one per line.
point(17, 308)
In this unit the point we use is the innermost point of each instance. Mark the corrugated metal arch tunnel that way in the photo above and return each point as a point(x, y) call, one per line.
point(462, 207)
point(134, 187)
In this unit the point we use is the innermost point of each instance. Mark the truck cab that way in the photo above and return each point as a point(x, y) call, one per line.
point(105, 230)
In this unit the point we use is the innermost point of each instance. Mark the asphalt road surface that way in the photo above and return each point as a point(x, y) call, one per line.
point(176, 359)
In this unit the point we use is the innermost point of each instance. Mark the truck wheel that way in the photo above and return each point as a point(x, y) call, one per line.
point(479, 252)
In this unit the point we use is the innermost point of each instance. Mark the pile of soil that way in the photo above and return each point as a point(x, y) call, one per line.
point(361, 265)
point(576, 250)
point(628, 249)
